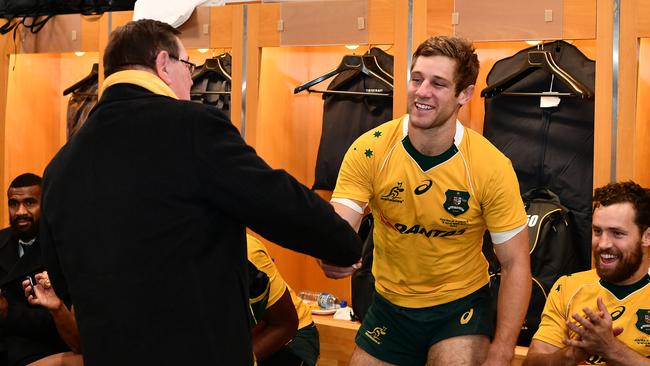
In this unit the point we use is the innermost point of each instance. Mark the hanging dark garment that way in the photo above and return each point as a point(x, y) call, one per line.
point(347, 116)
point(80, 103)
point(553, 147)
point(212, 88)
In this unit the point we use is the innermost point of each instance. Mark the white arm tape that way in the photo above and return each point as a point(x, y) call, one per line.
point(500, 238)
point(351, 204)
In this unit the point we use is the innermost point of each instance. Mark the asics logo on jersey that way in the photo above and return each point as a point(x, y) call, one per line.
point(393, 194)
point(467, 316)
point(376, 334)
point(421, 229)
point(618, 311)
point(422, 188)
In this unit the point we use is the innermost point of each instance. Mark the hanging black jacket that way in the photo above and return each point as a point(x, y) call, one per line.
point(346, 117)
point(548, 147)
point(204, 87)
point(80, 104)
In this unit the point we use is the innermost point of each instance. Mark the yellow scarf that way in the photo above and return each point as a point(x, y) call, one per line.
point(141, 78)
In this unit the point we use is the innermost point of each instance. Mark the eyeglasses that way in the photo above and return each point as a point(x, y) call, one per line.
point(189, 65)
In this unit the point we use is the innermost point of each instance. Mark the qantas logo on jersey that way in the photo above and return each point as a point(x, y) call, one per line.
point(456, 202)
point(429, 233)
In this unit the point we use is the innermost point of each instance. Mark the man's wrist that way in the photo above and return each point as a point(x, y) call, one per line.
point(56, 307)
point(573, 355)
point(616, 351)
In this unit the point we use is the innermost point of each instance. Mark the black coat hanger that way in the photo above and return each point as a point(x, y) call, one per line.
point(90, 78)
point(370, 62)
point(214, 64)
point(351, 62)
point(538, 59)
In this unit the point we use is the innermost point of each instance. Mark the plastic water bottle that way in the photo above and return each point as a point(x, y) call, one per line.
point(329, 301)
point(324, 300)
point(309, 296)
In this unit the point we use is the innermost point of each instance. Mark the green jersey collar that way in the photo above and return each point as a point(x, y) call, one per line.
point(622, 291)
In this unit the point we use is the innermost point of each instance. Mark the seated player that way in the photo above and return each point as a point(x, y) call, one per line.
point(602, 316)
point(43, 294)
point(303, 347)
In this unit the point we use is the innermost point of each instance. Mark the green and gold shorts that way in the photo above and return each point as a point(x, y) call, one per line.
point(403, 336)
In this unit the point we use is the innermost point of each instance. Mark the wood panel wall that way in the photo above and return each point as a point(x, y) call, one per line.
point(288, 132)
point(6, 48)
point(632, 153)
point(633, 149)
point(643, 113)
point(603, 106)
point(35, 113)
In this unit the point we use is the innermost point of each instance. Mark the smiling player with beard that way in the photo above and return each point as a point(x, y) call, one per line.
point(602, 316)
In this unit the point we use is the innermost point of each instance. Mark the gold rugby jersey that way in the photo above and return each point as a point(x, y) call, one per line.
point(628, 305)
point(430, 212)
point(260, 257)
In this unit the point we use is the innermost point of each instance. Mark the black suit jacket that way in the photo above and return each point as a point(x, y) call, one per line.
point(28, 332)
point(143, 223)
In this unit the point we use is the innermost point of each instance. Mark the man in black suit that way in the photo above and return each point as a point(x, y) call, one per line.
point(145, 213)
point(28, 332)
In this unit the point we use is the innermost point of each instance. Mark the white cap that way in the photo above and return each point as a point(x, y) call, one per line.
point(174, 12)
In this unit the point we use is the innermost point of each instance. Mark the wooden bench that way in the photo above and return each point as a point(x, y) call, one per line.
point(337, 341)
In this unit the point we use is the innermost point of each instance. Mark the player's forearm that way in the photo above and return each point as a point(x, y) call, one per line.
point(270, 339)
point(66, 326)
point(352, 216)
point(622, 355)
point(279, 326)
point(514, 294)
